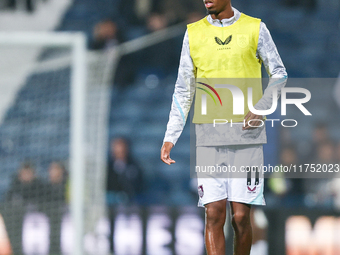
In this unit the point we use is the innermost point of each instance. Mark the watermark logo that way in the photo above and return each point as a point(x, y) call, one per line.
point(238, 99)
point(204, 96)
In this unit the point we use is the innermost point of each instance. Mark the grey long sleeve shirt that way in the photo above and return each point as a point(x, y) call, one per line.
point(207, 134)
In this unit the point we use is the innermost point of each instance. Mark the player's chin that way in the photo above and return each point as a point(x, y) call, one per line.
point(211, 11)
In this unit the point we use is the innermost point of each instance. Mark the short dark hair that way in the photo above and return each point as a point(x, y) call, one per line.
point(27, 165)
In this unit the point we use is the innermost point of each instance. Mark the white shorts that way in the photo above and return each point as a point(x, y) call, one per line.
point(230, 172)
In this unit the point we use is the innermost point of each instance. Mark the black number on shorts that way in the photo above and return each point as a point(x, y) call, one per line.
point(257, 175)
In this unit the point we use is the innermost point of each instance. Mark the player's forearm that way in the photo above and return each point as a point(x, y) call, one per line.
point(266, 100)
point(268, 53)
point(183, 95)
point(181, 103)
point(172, 134)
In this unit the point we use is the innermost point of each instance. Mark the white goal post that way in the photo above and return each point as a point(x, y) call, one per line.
point(77, 43)
point(36, 70)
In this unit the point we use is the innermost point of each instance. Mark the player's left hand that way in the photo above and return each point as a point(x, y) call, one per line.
point(254, 124)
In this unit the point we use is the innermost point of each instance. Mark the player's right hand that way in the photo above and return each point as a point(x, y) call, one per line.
point(165, 153)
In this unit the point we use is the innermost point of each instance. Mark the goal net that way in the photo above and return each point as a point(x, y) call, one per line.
point(54, 97)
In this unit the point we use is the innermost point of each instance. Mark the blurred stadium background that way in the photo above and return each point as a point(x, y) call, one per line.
point(85, 93)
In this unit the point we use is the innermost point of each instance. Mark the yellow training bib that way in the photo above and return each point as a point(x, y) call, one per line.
point(224, 53)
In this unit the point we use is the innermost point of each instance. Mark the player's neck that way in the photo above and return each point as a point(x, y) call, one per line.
point(225, 14)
